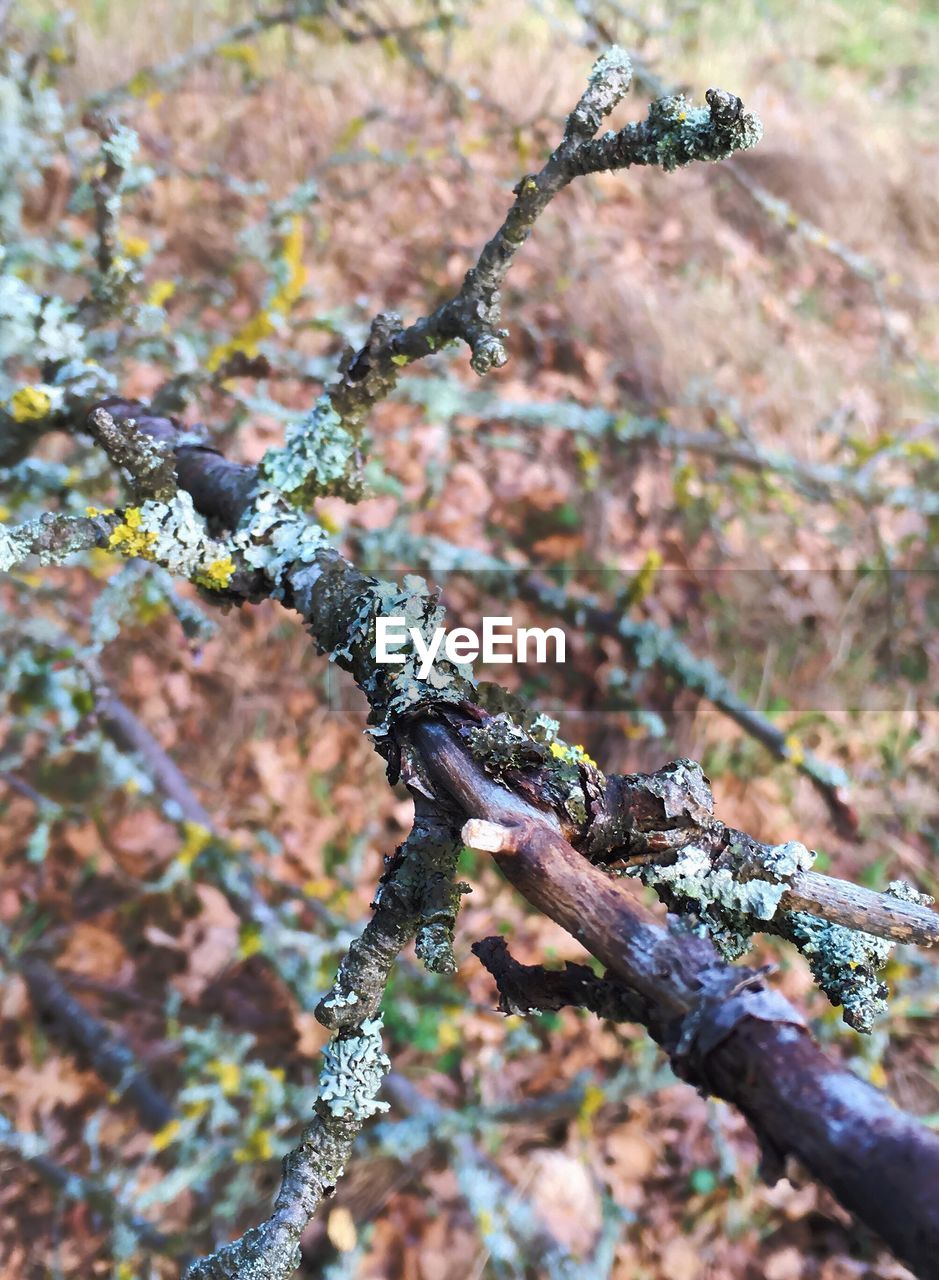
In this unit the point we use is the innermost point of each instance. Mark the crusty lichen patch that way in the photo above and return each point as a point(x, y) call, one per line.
point(174, 535)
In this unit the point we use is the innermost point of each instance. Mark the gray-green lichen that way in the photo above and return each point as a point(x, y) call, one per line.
point(339, 1000)
point(319, 456)
point(439, 896)
point(35, 328)
point(121, 146)
point(274, 535)
point(904, 891)
point(845, 962)
point(51, 537)
point(675, 133)
point(728, 909)
point(729, 895)
point(503, 746)
point(353, 1069)
point(739, 893)
point(683, 133)
point(31, 122)
point(397, 690)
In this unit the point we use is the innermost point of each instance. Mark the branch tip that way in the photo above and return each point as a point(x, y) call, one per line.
point(488, 837)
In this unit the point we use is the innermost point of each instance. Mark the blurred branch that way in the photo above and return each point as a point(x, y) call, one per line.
point(107, 1056)
point(480, 1179)
point(53, 538)
point(670, 654)
point(30, 1148)
point(132, 735)
point(817, 481)
point(159, 75)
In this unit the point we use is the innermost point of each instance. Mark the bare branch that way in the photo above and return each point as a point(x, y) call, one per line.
point(150, 465)
point(53, 538)
point(529, 988)
point(109, 1058)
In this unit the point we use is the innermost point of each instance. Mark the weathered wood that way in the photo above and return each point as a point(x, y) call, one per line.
point(858, 908)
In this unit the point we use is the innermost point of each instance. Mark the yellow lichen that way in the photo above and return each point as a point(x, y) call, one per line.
point(196, 837)
point(594, 1098)
point(642, 583)
point(166, 1136)
point(216, 575)
point(140, 83)
point(289, 292)
point(129, 539)
point(257, 1147)
point(160, 292)
point(245, 55)
point(135, 246)
point(572, 754)
point(250, 941)
point(228, 1075)
point(246, 341)
point(328, 521)
point(30, 404)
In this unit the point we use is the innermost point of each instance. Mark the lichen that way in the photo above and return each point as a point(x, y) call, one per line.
point(273, 535)
point(728, 909)
point(318, 456)
point(174, 535)
point(684, 133)
point(845, 963)
point(30, 404)
point(398, 690)
point(340, 1000)
point(14, 546)
point(353, 1069)
point(121, 146)
point(504, 746)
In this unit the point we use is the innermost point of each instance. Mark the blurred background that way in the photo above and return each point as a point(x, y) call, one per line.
point(713, 457)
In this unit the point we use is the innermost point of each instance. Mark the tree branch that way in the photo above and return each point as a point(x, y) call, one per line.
point(530, 988)
point(722, 1028)
point(30, 1148)
point(108, 1057)
point(354, 1064)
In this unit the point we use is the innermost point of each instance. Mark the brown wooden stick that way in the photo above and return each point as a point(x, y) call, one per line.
point(849, 904)
point(881, 1164)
